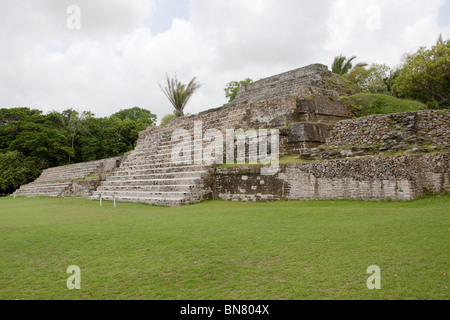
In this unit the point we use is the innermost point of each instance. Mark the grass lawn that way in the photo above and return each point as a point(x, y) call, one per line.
point(371, 103)
point(225, 250)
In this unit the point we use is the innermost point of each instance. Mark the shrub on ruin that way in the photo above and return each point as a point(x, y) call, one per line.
point(166, 119)
point(232, 88)
point(425, 76)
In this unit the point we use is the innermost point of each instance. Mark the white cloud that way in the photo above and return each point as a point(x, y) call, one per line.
point(117, 57)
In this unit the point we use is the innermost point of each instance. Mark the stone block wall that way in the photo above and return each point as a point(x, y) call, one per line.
point(424, 127)
point(304, 135)
point(414, 132)
point(370, 178)
point(283, 84)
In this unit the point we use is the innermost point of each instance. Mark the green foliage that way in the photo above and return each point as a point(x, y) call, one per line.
point(179, 93)
point(375, 79)
point(389, 81)
point(341, 65)
point(43, 142)
point(232, 88)
point(16, 169)
point(364, 104)
point(342, 85)
point(60, 138)
point(426, 76)
point(166, 119)
point(34, 135)
point(143, 116)
point(126, 125)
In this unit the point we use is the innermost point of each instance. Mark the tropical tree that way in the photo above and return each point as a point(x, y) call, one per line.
point(389, 81)
point(179, 93)
point(140, 115)
point(342, 65)
point(72, 122)
point(377, 78)
point(232, 88)
point(16, 170)
point(426, 76)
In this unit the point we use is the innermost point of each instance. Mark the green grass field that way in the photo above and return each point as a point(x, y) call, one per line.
point(225, 250)
point(374, 103)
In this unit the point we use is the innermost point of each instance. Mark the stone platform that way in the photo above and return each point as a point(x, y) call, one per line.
point(78, 179)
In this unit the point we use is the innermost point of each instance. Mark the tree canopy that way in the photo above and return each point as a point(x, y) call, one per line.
point(36, 141)
point(425, 76)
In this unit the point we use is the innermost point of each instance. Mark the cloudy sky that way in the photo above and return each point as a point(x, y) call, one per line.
point(107, 55)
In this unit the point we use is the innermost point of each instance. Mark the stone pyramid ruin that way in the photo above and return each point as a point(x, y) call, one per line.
point(301, 109)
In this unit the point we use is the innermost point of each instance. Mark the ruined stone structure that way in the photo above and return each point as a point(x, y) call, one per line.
point(309, 119)
point(294, 102)
point(371, 178)
point(79, 179)
point(420, 131)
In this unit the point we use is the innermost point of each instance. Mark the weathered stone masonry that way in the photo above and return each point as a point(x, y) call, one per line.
point(370, 178)
point(293, 102)
point(79, 179)
point(421, 127)
point(421, 131)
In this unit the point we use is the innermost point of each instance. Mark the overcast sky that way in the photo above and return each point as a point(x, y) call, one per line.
point(123, 49)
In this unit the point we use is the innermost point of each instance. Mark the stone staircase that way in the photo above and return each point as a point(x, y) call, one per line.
point(50, 189)
point(148, 175)
point(58, 181)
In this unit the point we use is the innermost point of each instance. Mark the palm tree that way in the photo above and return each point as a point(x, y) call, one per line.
point(342, 65)
point(179, 93)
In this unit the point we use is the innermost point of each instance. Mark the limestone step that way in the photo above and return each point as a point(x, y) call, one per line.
point(193, 146)
point(133, 175)
point(42, 189)
point(143, 194)
point(189, 161)
point(45, 185)
point(32, 194)
point(164, 167)
point(146, 188)
point(171, 202)
point(62, 173)
point(169, 147)
point(48, 191)
point(141, 182)
point(159, 168)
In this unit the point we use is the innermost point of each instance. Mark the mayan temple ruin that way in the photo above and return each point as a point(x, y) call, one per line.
point(340, 156)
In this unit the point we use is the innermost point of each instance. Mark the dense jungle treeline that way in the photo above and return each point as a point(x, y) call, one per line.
point(31, 141)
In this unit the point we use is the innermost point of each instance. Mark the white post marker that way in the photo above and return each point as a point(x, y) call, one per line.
point(114, 198)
